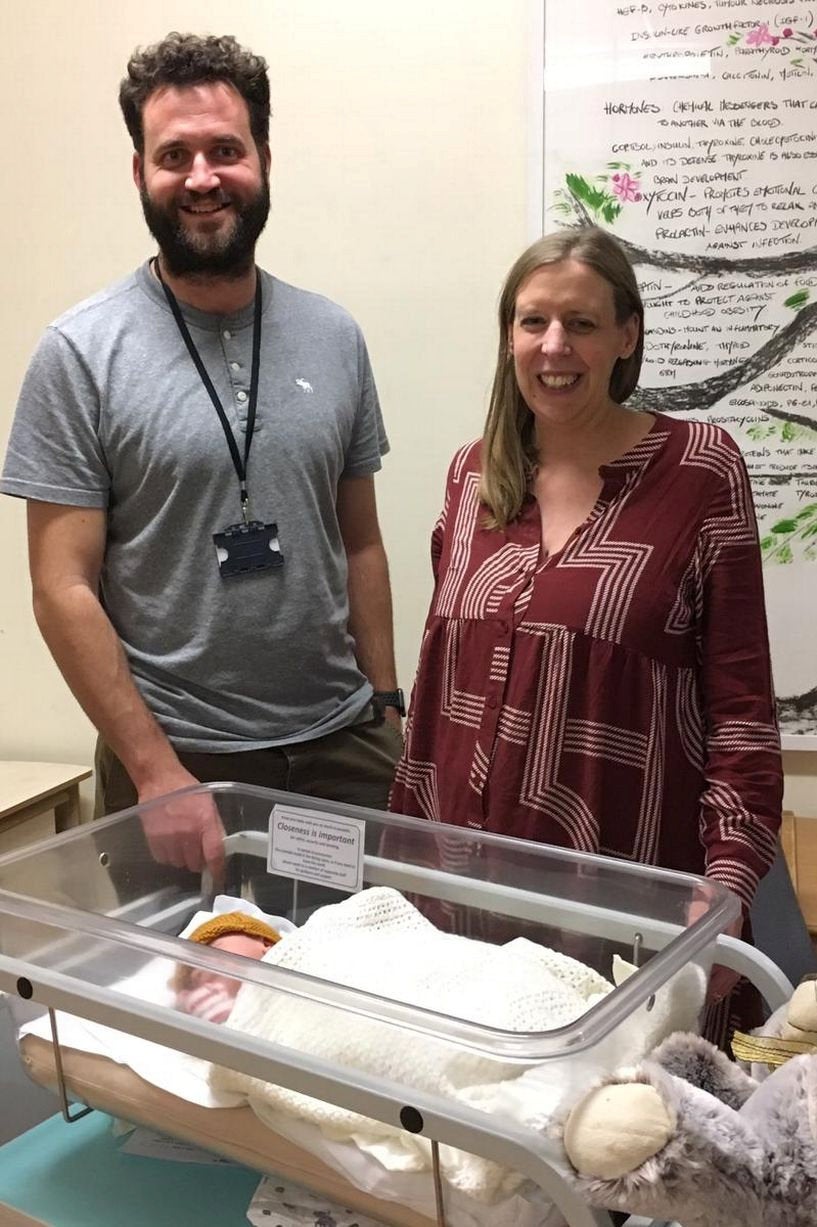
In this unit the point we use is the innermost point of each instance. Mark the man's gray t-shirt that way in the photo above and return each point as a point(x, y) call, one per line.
point(113, 414)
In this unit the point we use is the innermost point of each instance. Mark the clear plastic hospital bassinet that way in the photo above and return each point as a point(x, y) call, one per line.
point(89, 927)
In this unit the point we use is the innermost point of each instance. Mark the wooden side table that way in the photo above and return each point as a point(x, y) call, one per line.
point(28, 790)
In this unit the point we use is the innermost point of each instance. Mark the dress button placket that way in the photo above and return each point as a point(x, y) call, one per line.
point(494, 696)
point(492, 706)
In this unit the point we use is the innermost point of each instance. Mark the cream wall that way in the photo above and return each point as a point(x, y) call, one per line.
point(399, 138)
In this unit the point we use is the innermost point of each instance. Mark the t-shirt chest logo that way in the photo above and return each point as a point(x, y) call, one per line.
point(304, 385)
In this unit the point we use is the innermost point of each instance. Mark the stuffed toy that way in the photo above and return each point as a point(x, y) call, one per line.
point(690, 1136)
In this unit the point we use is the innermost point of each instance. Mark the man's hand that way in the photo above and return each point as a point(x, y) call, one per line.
point(185, 831)
point(722, 981)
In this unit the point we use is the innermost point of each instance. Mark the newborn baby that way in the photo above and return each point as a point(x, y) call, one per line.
point(210, 995)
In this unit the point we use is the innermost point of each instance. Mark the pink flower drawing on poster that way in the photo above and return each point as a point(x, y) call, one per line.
point(599, 198)
point(625, 187)
point(790, 40)
point(761, 36)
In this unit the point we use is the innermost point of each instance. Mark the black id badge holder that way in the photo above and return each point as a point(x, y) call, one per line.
point(242, 549)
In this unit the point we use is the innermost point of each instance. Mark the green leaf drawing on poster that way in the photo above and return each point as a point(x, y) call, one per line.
point(599, 197)
point(789, 432)
point(791, 537)
point(595, 200)
point(797, 300)
point(591, 196)
point(635, 171)
point(758, 433)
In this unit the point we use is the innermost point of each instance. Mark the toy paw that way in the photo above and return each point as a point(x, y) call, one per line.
point(801, 1021)
point(616, 1128)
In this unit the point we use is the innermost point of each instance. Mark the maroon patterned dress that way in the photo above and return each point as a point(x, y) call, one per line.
point(614, 697)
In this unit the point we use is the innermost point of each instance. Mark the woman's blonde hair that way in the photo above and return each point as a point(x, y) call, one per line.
point(508, 440)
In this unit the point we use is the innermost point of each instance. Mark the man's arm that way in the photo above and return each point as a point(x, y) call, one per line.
point(370, 609)
point(66, 547)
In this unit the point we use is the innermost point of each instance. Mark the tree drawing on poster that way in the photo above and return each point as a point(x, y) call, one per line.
point(689, 129)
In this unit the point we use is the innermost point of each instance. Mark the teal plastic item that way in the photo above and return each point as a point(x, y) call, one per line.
point(76, 1176)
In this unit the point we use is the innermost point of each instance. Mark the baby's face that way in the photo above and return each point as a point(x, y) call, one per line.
point(234, 943)
point(210, 995)
point(242, 943)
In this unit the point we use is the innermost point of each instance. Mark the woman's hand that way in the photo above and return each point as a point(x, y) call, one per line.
point(721, 979)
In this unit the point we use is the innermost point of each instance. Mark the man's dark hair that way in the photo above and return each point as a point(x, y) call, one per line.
point(187, 59)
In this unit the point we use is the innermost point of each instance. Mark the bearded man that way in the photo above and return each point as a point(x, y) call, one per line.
point(197, 446)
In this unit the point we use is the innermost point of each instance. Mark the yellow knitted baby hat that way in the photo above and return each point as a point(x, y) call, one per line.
point(234, 922)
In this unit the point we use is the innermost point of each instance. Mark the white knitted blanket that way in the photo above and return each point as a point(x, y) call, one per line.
point(378, 942)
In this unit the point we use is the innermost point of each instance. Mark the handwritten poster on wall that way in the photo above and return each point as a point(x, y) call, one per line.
point(688, 128)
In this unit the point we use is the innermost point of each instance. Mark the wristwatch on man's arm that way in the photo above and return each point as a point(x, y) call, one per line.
point(381, 699)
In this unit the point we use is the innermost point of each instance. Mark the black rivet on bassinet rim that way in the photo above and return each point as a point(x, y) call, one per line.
point(103, 859)
point(25, 989)
point(411, 1120)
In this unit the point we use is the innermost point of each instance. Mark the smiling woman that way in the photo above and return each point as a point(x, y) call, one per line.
point(566, 339)
point(571, 319)
point(594, 671)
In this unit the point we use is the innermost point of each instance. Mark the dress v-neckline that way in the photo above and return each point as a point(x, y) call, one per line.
point(612, 474)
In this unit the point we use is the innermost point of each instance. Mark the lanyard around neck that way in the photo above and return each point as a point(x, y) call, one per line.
point(239, 462)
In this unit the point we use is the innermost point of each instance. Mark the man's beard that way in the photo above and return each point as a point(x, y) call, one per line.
point(229, 254)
